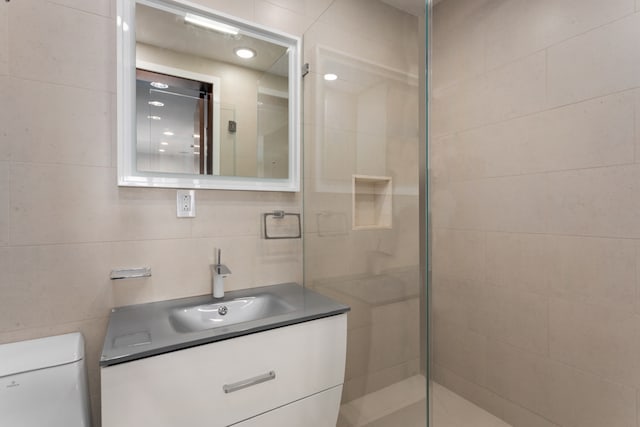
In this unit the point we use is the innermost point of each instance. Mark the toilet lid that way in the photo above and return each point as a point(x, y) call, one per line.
point(40, 353)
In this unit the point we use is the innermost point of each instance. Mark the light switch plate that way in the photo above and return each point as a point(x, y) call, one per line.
point(186, 203)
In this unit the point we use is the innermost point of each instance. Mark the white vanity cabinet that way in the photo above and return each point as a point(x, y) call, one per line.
point(287, 377)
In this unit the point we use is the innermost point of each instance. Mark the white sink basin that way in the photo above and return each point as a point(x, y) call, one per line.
point(226, 313)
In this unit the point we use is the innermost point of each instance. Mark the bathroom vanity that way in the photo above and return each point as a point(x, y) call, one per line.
point(279, 364)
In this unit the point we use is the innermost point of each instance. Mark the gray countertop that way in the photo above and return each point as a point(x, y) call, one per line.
point(144, 330)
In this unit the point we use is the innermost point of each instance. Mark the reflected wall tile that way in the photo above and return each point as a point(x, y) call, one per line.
point(515, 29)
point(62, 283)
point(600, 340)
point(610, 193)
point(74, 126)
point(86, 205)
point(57, 44)
point(4, 202)
point(586, 66)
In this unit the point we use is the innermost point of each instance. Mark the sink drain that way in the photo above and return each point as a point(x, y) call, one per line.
point(223, 310)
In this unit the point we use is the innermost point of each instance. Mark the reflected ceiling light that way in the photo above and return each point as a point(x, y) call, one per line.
point(210, 24)
point(196, 153)
point(245, 52)
point(330, 77)
point(156, 103)
point(162, 150)
point(154, 117)
point(195, 135)
point(159, 85)
point(168, 133)
point(164, 143)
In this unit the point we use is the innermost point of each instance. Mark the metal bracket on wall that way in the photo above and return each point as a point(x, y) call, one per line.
point(130, 273)
point(305, 69)
point(282, 225)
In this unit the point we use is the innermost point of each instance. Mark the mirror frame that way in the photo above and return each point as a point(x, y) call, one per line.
point(128, 175)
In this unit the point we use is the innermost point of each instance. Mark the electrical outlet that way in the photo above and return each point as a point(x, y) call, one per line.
point(186, 203)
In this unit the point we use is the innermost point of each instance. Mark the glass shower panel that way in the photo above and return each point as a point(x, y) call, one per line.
point(534, 203)
point(361, 204)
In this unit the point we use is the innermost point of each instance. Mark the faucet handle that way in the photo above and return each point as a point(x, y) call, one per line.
point(220, 269)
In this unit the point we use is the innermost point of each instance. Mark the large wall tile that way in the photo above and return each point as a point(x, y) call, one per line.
point(596, 339)
point(4, 38)
point(594, 271)
point(522, 262)
point(595, 202)
point(518, 28)
point(74, 126)
point(99, 7)
point(229, 213)
point(4, 203)
point(460, 351)
point(459, 254)
point(61, 283)
point(458, 55)
point(86, 205)
point(58, 44)
point(513, 90)
point(587, 66)
point(578, 399)
point(597, 132)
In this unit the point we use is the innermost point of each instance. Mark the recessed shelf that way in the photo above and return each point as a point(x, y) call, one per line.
point(372, 207)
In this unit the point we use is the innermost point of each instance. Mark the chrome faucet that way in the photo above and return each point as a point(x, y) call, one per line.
point(219, 271)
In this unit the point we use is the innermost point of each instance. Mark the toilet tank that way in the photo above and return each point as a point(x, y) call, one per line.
point(43, 383)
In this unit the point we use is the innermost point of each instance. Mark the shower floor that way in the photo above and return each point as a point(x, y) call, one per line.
point(403, 404)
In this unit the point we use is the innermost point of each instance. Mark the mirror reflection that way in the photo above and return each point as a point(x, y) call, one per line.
point(210, 99)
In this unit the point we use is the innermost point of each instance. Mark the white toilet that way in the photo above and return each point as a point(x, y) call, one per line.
point(43, 382)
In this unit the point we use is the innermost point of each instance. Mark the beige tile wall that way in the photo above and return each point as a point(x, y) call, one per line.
point(535, 204)
point(64, 223)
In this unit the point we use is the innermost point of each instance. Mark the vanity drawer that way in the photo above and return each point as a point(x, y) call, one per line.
point(187, 387)
point(319, 410)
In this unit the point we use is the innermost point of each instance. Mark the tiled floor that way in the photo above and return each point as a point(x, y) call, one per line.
point(403, 404)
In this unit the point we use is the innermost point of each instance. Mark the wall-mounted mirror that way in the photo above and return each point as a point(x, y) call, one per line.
point(205, 100)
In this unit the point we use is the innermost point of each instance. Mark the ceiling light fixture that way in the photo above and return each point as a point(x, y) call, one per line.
point(162, 150)
point(330, 77)
point(245, 52)
point(156, 103)
point(195, 135)
point(164, 143)
point(210, 24)
point(154, 117)
point(168, 133)
point(159, 85)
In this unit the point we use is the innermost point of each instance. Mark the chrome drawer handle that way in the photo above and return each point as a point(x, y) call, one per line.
point(230, 388)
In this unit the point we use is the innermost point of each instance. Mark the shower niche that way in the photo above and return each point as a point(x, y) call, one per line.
point(371, 202)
